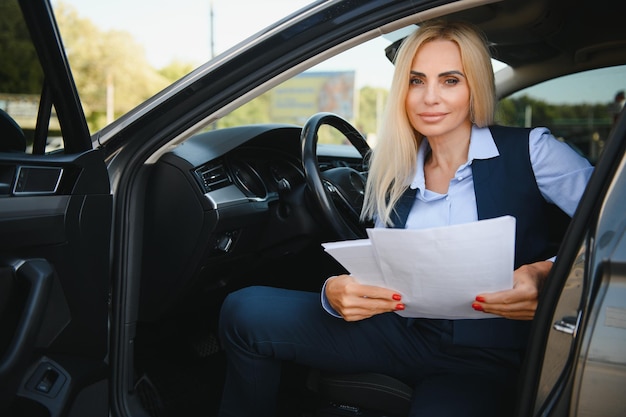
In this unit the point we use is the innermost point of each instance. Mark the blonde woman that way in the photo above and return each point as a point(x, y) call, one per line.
point(439, 161)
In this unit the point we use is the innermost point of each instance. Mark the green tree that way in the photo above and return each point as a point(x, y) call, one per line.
point(506, 113)
point(584, 126)
point(371, 105)
point(255, 111)
point(110, 69)
point(20, 72)
point(175, 70)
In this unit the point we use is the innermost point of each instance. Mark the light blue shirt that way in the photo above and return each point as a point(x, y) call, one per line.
point(561, 174)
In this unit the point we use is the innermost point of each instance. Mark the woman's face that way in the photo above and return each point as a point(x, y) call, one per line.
point(438, 99)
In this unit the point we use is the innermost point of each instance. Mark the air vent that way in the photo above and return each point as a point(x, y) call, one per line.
point(212, 177)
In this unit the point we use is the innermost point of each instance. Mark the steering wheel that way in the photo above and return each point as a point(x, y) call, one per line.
point(338, 191)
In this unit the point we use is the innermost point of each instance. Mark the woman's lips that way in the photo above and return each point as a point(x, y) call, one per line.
point(432, 117)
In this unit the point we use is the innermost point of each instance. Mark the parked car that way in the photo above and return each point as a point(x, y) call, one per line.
point(118, 246)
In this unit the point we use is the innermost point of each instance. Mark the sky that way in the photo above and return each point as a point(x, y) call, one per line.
point(184, 33)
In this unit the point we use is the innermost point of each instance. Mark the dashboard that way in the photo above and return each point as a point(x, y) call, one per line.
point(228, 205)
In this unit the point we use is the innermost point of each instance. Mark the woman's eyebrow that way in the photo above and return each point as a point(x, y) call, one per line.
point(453, 72)
point(443, 74)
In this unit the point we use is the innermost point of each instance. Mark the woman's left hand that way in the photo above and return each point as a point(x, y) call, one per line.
point(520, 302)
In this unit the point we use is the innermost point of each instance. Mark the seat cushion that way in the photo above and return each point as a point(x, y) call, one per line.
point(366, 391)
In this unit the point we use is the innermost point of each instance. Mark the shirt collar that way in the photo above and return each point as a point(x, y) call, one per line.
point(482, 146)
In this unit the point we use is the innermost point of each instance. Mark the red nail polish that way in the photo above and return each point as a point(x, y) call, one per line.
point(397, 297)
point(480, 299)
point(477, 307)
point(400, 306)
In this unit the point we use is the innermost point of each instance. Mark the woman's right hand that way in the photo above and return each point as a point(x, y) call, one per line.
point(356, 301)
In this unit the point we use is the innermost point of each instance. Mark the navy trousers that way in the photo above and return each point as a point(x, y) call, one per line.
point(260, 327)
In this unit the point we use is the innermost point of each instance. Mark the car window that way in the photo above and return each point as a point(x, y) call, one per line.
point(353, 85)
point(21, 86)
point(578, 108)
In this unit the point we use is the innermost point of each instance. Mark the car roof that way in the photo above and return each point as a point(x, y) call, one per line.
point(542, 39)
point(525, 31)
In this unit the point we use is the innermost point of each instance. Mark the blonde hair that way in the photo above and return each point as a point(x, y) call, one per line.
point(392, 162)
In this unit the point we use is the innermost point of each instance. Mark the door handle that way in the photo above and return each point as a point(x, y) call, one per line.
point(38, 275)
point(568, 325)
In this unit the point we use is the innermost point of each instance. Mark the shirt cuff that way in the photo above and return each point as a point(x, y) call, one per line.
point(325, 304)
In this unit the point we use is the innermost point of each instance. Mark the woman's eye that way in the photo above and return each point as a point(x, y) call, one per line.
point(415, 81)
point(451, 81)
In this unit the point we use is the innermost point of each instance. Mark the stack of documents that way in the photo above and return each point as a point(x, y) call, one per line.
point(437, 271)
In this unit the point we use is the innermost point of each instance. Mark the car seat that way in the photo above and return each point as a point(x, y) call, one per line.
point(363, 394)
point(12, 136)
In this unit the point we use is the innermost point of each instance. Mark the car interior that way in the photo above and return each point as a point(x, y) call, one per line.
point(233, 207)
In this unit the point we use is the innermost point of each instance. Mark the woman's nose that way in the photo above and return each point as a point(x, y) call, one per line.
point(431, 94)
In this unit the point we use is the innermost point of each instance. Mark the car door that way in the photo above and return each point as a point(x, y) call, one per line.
point(576, 362)
point(55, 225)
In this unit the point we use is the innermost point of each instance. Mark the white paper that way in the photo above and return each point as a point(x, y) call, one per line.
point(437, 271)
point(357, 255)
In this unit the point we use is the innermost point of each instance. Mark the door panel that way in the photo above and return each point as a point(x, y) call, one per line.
point(54, 276)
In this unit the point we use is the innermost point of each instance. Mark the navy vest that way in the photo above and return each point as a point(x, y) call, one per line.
point(506, 185)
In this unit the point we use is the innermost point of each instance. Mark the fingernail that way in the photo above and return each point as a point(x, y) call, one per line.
point(400, 306)
point(477, 307)
point(480, 299)
point(397, 297)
